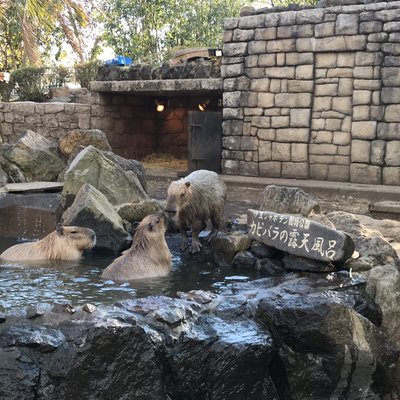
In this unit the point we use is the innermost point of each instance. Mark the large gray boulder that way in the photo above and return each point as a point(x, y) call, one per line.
point(288, 200)
point(326, 348)
point(93, 167)
point(126, 164)
point(129, 165)
point(29, 215)
point(36, 156)
point(91, 209)
point(389, 228)
point(225, 247)
point(3, 177)
point(383, 286)
point(83, 137)
point(135, 212)
point(372, 247)
point(295, 337)
point(14, 173)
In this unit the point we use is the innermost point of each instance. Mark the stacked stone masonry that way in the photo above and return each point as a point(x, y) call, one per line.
point(133, 128)
point(314, 94)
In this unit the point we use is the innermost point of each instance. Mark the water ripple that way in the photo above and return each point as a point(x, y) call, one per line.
point(80, 282)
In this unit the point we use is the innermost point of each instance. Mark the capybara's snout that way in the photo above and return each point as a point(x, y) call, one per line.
point(170, 208)
point(161, 216)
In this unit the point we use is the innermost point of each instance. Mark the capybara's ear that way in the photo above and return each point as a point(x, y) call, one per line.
point(187, 184)
point(60, 229)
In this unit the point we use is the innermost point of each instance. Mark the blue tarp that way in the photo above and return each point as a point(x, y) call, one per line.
point(120, 60)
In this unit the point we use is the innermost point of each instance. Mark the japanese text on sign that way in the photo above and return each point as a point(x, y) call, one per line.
point(293, 232)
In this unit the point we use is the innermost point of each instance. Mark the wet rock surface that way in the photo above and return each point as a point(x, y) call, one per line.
point(293, 335)
point(91, 209)
point(32, 215)
point(257, 340)
point(373, 248)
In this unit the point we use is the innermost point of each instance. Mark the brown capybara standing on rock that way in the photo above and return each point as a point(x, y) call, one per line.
point(148, 256)
point(195, 200)
point(65, 243)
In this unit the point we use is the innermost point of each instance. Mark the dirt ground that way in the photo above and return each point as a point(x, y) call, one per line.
point(241, 198)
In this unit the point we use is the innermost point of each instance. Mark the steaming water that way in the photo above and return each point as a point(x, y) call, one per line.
point(80, 282)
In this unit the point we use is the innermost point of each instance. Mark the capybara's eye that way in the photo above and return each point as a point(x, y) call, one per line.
point(182, 194)
point(74, 232)
point(157, 220)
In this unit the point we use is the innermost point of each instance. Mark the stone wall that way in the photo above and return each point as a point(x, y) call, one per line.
point(133, 127)
point(51, 120)
point(314, 94)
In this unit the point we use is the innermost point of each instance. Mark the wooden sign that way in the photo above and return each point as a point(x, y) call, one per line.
point(299, 236)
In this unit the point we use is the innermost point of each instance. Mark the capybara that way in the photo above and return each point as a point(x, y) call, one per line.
point(148, 256)
point(195, 200)
point(64, 243)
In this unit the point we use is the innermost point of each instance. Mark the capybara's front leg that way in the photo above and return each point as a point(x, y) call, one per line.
point(211, 235)
point(215, 218)
point(184, 241)
point(196, 245)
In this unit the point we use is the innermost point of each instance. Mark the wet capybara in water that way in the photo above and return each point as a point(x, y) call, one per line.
point(195, 200)
point(64, 243)
point(148, 256)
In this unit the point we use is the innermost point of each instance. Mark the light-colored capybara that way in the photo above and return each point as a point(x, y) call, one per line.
point(64, 243)
point(148, 256)
point(195, 200)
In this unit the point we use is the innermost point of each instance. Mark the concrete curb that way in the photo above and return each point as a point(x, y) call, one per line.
point(371, 193)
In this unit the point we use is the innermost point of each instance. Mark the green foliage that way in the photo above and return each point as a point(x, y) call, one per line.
point(58, 76)
point(132, 28)
point(144, 30)
point(11, 52)
point(28, 26)
point(86, 72)
point(5, 90)
point(30, 83)
point(199, 23)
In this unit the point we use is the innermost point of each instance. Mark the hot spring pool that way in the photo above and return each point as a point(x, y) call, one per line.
point(80, 282)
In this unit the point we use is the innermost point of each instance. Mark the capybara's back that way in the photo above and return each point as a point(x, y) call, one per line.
point(148, 256)
point(195, 200)
point(64, 243)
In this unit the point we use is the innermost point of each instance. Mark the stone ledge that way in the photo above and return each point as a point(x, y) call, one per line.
point(32, 187)
point(385, 209)
point(176, 87)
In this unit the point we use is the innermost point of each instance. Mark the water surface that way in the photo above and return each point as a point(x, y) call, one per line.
point(80, 282)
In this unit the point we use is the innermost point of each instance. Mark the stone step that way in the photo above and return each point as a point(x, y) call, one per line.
point(32, 187)
point(385, 209)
